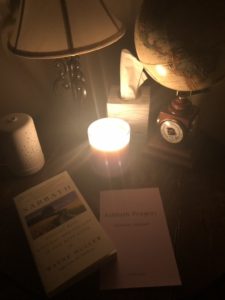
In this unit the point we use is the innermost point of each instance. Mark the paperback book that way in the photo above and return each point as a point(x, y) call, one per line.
point(135, 221)
point(65, 238)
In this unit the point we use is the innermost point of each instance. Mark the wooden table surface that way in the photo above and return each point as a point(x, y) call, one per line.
point(194, 203)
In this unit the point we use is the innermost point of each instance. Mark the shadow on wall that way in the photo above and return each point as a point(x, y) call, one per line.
point(25, 85)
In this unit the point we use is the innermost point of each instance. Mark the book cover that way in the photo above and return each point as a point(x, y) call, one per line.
point(66, 239)
point(135, 221)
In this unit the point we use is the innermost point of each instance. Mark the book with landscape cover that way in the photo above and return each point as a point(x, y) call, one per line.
point(65, 238)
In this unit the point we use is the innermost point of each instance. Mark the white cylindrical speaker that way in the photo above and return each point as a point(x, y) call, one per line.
point(20, 145)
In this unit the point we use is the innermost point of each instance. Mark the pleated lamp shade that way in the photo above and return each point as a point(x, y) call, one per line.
point(61, 28)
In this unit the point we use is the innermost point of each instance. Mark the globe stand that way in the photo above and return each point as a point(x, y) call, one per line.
point(173, 138)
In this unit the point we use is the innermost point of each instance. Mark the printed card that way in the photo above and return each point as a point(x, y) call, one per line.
point(136, 223)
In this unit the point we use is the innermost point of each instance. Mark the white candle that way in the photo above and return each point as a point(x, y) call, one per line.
point(109, 139)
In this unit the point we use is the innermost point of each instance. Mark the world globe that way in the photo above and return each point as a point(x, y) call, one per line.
point(181, 44)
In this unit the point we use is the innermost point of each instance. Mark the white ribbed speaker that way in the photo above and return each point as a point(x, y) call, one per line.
point(20, 145)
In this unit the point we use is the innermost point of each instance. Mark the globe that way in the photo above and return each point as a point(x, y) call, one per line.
point(181, 44)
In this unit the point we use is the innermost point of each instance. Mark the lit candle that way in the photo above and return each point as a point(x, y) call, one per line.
point(109, 140)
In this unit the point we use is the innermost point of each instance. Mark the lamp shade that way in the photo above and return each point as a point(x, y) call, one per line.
point(61, 28)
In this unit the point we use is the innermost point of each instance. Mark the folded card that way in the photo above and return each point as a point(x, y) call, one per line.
point(135, 221)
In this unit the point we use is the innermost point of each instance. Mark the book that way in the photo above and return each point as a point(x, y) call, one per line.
point(65, 238)
point(135, 221)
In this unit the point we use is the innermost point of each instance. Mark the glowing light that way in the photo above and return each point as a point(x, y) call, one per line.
point(161, 70)
point(109, 134)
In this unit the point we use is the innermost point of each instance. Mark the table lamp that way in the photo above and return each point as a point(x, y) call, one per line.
point(181, 45)
point(64, 29)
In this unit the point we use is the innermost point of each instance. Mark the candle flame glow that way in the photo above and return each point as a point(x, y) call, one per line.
point(109, 134)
